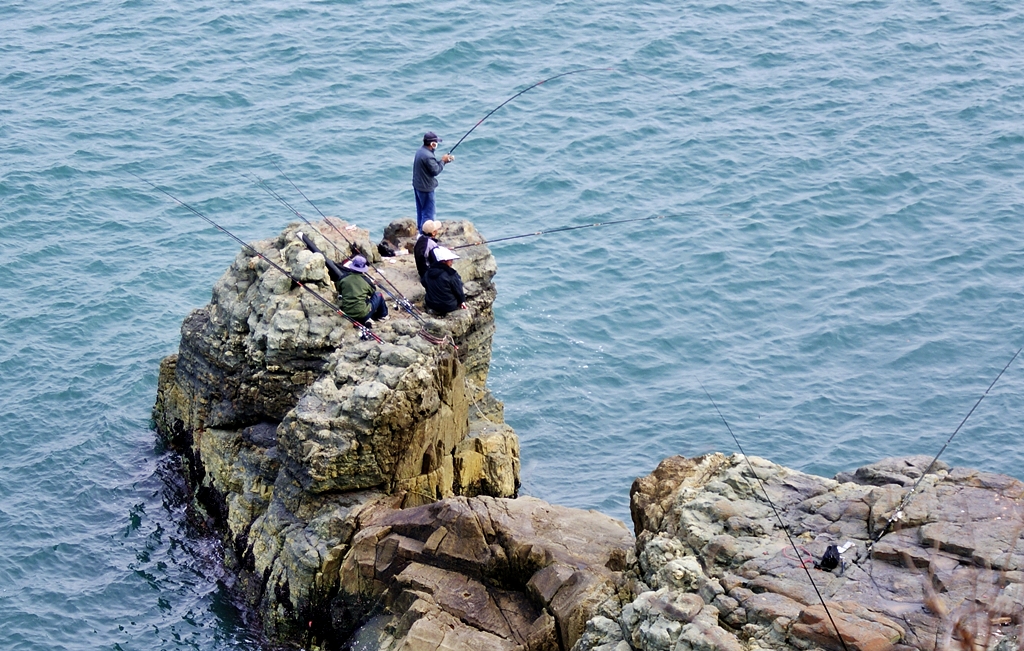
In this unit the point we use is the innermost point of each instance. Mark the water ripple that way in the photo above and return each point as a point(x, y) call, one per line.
point(840, 265)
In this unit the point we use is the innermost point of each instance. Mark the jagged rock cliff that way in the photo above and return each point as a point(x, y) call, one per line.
point(290, 424)
point(364, 491)
point(309, 449)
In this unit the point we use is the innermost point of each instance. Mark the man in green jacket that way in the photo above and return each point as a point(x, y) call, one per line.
point(359, 300)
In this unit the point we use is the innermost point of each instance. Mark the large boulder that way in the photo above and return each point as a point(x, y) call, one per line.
point(292, 427)
point(487, 573)
point(715, 569)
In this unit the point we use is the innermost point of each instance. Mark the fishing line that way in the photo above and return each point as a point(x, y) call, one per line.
point(364, 331)
point(403, 302)
point(261, 183)
point(559, 230)
point(898, 513)
point(542, 81)
point(531, 87)
point(564, 74)
point(400, 300)
point(778, 516)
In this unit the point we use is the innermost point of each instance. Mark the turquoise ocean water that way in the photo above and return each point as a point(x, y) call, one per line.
point(841, 262)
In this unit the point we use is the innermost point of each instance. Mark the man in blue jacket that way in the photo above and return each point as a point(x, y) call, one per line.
point(425, 169)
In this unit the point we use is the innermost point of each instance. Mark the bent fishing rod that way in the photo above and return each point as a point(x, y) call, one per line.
point(528, 88)
point(559, 230)
point(898, 513)
point(778, 516)
point(364, 331)
point(403, 301)
point(544, 81)
point(400, 300)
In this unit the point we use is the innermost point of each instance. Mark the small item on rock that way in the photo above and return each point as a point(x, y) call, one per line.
point(830, 560)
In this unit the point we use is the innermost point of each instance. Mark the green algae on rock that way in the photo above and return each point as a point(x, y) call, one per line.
point(289, 426)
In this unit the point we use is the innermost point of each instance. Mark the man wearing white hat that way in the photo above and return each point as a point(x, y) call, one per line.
point(443, 284)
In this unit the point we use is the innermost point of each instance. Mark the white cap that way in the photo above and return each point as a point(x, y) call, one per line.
point(441, 254)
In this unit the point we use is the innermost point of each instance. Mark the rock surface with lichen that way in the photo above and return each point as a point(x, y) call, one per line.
point(289, 424)
point(348, 474)
point(714, 569)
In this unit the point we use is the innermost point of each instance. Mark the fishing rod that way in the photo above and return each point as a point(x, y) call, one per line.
point(403, 301)
point(564, 74)
point(778, 516)
point(400, 300)
point(364, 331)
point(542, 81)
point(898, 513)
point(262, 184)
point(559, 230)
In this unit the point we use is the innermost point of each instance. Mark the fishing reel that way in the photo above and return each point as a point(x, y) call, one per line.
point(405, 304)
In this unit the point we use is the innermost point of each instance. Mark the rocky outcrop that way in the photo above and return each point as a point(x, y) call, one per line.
point(365, 493)
point(356, 480)
point(715, 570)
point(290, 426)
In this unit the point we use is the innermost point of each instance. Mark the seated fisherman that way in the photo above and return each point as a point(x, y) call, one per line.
point(425, 245)
point(444, 285)
point(358, 296)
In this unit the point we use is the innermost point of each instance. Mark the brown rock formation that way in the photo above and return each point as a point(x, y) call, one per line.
point(364, 488)
point(486, 573)
point(950, 577)
point(289, 425)
point(332, 465)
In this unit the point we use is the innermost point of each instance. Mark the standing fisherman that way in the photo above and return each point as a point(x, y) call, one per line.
point(425, 169)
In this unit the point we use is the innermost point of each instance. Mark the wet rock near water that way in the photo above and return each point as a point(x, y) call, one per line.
point(290, 426)
point(714, 569)
point(366, 491)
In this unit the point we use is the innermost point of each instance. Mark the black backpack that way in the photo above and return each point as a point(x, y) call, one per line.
point(830, 560)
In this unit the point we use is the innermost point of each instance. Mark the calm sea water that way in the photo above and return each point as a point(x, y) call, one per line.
point(840, 262)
